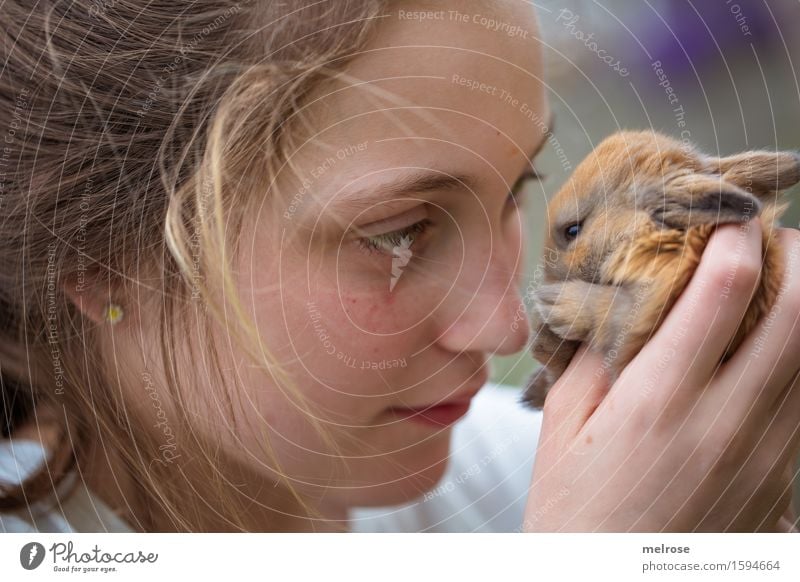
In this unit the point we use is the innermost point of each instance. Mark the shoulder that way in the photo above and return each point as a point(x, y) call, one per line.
point(489, 472)
point(75, 510)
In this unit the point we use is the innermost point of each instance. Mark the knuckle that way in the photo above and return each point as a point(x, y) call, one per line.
point(739, 442)
point(789, 237)
point(724, 447)
point(789, 301)
point(790, 288)
point(736, 273)
point(747, 271)
point(711, 456)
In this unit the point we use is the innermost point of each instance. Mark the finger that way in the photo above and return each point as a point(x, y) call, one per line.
point(693, 337)
point(784, 425)
point(766, 361)
point(575, 396)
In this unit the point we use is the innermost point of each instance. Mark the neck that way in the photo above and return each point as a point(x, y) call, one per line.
point(253, 503)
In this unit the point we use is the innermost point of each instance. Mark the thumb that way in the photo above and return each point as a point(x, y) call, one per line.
point(574, 397)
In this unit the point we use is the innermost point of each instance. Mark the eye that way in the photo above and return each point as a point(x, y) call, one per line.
point(392, 242)
point(572, 231)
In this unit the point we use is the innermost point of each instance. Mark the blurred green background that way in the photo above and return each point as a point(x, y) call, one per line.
point(732, 68)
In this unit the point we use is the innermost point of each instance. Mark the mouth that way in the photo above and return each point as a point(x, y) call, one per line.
point(445, 412)
point(440, 415)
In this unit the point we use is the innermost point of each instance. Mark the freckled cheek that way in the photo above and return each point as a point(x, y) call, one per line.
point(350, 339)
point(380, 316)
point(351, 351)
point(346, 350)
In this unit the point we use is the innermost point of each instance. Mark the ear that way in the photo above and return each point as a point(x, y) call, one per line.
point(90, 296)
point(696, 199)
point(760, 172)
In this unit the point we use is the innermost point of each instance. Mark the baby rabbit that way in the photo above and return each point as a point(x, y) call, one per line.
point(626, 233)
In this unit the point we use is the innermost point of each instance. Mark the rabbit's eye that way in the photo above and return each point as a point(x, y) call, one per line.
point(572, 231)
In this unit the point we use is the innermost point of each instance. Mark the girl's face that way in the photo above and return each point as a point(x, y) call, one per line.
point(386, 273)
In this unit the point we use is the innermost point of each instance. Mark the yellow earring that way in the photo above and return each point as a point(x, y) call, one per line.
point(113, 313)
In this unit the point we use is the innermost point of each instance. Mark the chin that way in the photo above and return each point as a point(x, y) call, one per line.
point(403, 477)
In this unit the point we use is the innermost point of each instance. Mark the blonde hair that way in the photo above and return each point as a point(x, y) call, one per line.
point(136, 139)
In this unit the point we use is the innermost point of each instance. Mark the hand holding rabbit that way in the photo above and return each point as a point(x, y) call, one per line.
point(626, 234)
point(676, 444)
point(684, 415)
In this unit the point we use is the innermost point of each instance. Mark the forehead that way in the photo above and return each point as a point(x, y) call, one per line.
point(434, 90)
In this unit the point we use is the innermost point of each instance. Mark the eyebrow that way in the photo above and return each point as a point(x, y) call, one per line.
point(419, 181)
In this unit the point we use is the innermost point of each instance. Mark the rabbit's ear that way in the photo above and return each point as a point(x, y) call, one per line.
point(760, 172)
point(696, 199)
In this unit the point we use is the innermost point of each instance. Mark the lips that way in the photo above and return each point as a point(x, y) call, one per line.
point(447, 411)
point(440, 415)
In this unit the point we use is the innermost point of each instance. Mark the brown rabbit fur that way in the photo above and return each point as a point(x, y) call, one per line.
point(626, 233)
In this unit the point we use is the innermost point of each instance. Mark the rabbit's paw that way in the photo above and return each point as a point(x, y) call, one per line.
point(537, 388)
point(567, 308)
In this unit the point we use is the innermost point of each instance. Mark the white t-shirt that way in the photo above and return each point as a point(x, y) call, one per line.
point(484, 488)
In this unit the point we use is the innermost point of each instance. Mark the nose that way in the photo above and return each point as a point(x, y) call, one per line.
point(483, 310)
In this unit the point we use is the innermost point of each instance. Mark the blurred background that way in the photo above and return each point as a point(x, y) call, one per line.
point(723, 74)
point(732, 69)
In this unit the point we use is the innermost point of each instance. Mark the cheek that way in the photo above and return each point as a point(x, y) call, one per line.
point(349, 341)
point(343, 345)
point(376, 298)
point(369, 326)
point(356, 351)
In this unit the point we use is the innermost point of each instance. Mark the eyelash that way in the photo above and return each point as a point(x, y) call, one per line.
point(384, 243)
